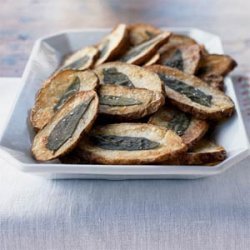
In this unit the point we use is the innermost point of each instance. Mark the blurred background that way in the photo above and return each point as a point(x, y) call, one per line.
point(24, 21)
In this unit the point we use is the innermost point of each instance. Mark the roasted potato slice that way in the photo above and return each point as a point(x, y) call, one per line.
point(186, 126)
point(126, 103)
point(184, 57)
point(128, 75)
point(141, 53)
point(141, 32)
point(204, 152)
point(56, 91)
point(113, 45)
point(212, 64)
point(81, 59)
point(66, 127)
point(192, 95)
point(131, 143)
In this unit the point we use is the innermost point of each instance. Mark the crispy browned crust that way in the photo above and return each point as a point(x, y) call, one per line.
point(177, 40)
point(171, 145)
point(39, 150)
point(191, 55)
point(213, 64)
point(193, 133)
point(141, 32)
point(91, 51)
point(204, 153)
point(149, 52)
point(141, 77)
point(51, 91)
point(119, 42)
point(151, 101)
point(222, 105)
point(153, 60)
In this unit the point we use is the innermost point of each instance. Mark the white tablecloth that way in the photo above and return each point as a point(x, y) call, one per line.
point(35, 213)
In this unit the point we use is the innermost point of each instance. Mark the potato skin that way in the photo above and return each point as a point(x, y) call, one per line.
point(118, 48)
point(196, 130)
point(204, 152)
point(39, 149)
point(151, 102)
point(51, 91)
point(140, 77)
point(190, 54)
point(213, 64)
point(222, 108)
point(170, 147)
point(148, 53)
point(90, 51)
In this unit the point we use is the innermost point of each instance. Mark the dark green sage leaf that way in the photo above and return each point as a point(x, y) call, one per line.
point(121, 101)
point(70, 91)
point(112, 76)
point(66, 127)
point(124, 143)
point(191, 92)
point(78, 63)
point(175, 61)
point(179, 123)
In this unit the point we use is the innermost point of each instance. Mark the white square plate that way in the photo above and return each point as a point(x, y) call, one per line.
point(46, 56)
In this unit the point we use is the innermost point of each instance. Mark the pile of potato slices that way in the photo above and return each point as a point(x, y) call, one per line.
point(141, 95)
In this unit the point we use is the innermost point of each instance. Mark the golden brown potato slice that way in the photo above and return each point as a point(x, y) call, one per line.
point(128, 75)
point(184, 57)
point(204, 152)
point(141, 32)
point(81, 59)
point(141, 53)
point(186, 126)
point(131, 143)
point(66, 127)
point(56, 91)
point(192, 95)
point(113, 45)
point(212, 64)
point(126, 103)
